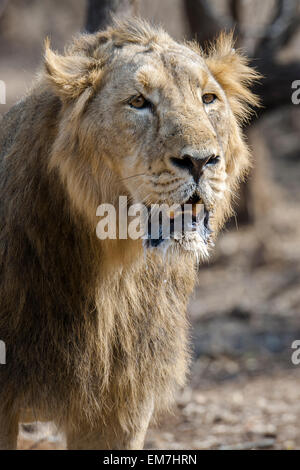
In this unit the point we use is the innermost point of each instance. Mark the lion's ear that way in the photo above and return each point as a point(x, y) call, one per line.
point(232, 71)
point(71, 75)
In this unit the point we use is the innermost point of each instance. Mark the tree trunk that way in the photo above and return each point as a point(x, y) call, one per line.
point(275, 89)
point(202, 24)
point(99, 12)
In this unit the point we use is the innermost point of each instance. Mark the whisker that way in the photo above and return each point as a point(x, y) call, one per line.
point(148, 202)
point(133, 176)
point(236, 222)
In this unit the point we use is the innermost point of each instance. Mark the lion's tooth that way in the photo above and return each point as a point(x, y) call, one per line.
point(196, 209)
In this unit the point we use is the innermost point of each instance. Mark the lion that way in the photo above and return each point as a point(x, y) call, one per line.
point(96, 330)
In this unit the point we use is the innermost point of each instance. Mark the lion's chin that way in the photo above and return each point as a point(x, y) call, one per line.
point(196, 240)
point(190, 242)
point(194, 243)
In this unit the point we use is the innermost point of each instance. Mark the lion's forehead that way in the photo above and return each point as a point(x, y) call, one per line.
point(164, 68)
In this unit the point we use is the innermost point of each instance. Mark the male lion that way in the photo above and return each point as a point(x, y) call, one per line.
point(95, 331)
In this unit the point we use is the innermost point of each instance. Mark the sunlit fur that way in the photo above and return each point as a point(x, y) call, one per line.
point(96, 331)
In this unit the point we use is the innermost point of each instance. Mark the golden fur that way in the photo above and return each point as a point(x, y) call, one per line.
point(95, 333)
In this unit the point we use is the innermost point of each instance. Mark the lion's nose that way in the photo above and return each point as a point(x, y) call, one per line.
point(194, 163)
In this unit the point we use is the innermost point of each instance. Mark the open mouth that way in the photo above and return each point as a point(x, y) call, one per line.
point(191, 216)
point(197, 205)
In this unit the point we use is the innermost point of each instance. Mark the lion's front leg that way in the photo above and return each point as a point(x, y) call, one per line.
point(110, 435)
point(106, 438)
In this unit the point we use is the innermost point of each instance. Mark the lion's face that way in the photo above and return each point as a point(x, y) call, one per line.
point(163, 119)
point(166, 122)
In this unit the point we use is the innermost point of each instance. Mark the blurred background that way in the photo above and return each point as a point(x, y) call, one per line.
point(243, 391)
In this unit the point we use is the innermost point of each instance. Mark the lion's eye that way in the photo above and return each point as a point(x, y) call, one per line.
point(139, 102)
point(209, 98)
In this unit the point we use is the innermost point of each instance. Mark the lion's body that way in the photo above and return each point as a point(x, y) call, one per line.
point(95, 334)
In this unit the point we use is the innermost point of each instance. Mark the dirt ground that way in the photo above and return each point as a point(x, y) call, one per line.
point(243, 391)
